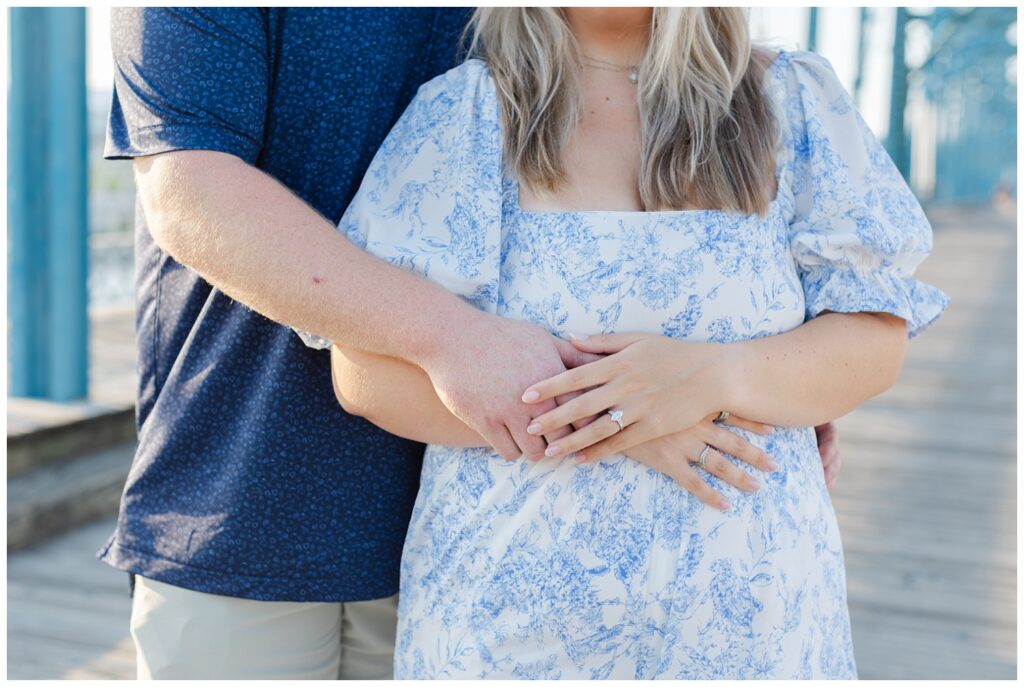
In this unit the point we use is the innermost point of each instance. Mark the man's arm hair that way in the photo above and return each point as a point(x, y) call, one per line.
point(259, 243)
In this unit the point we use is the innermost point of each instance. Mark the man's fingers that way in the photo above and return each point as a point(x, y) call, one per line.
point(830, 477)
point(502, 442)
point(605, 343)
point(828, 443)
point(559, 433)
point(571, 356)
point(532, 447)
point(749, 425)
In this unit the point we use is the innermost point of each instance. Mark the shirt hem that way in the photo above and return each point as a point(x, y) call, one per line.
point(254, 587)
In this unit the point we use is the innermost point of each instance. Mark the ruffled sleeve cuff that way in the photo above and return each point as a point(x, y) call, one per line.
point(848, 291)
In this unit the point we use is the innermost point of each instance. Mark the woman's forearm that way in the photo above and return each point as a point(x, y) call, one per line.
point(806, 377)
point(817, 372)
point(397, 396)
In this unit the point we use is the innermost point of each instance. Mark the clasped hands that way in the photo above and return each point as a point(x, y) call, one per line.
point(670, 393)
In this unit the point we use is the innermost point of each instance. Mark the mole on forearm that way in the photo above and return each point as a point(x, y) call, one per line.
point(316, 280)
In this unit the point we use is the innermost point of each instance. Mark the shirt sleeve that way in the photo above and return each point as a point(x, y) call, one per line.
point(430, 201)
point(188, 79)
point(858, 232)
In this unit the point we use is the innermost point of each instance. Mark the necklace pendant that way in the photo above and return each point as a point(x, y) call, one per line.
point(633, 75)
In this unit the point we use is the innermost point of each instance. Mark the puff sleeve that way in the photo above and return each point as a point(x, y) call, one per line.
point(430, 201)
point(858, 233)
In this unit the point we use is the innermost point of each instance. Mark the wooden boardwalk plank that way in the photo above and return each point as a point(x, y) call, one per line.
point(927, 497)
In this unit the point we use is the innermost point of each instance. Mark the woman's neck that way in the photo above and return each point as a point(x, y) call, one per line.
point(614, 34)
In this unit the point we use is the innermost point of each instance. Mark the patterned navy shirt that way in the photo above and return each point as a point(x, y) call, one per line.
point(250, 481)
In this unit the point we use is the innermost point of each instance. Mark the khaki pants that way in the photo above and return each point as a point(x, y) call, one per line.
point(182, 634)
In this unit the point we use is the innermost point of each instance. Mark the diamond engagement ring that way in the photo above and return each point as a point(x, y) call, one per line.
point(617, 416)
point(702, 460)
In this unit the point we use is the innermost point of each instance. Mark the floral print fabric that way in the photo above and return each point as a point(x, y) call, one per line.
point(554, 570)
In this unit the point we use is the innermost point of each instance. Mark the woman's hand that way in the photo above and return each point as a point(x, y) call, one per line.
point(661, 385)
point(672, 455)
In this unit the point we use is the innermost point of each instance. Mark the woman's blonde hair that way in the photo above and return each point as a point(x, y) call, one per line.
point(707, 132)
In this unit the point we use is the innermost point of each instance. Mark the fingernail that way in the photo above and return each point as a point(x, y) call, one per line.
point(753, 484)
point(725, 505)
point(552, 450)
point(772, 465)
point(579, 457)
point(578, 337)
point(531, 396)
point(534, 428)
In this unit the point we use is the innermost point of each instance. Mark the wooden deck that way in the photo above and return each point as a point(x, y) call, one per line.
point(926, 502)
point(928, 492)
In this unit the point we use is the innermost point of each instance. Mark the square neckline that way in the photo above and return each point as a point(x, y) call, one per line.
point(517, 208)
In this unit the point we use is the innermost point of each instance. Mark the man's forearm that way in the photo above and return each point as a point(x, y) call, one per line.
point(256, 241)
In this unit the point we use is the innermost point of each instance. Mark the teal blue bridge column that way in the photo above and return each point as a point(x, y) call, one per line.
point(47, 192)
point(812, 28)
point(896, 142)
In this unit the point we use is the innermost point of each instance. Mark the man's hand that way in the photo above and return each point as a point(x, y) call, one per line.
point(828, 447)
point(480, 374)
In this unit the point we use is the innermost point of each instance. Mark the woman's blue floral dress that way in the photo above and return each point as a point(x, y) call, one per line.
point(554, 570)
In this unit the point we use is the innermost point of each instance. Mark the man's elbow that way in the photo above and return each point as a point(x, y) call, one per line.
point(160, 181)
point(174, 188)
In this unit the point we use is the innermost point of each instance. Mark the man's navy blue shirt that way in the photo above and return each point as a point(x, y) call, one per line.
point(249, 480)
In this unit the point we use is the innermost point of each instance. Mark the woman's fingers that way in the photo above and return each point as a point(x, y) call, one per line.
point(619, 442)
point(717, 465)
point(576, 379)
point(688, 478)
point(668, 458)
point(591, 403)
point(594, 432)
point(733, 444)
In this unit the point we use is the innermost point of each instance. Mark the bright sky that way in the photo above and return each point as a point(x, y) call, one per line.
point(784, 26)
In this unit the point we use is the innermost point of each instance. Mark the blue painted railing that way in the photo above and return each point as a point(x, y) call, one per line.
point(47, 191)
